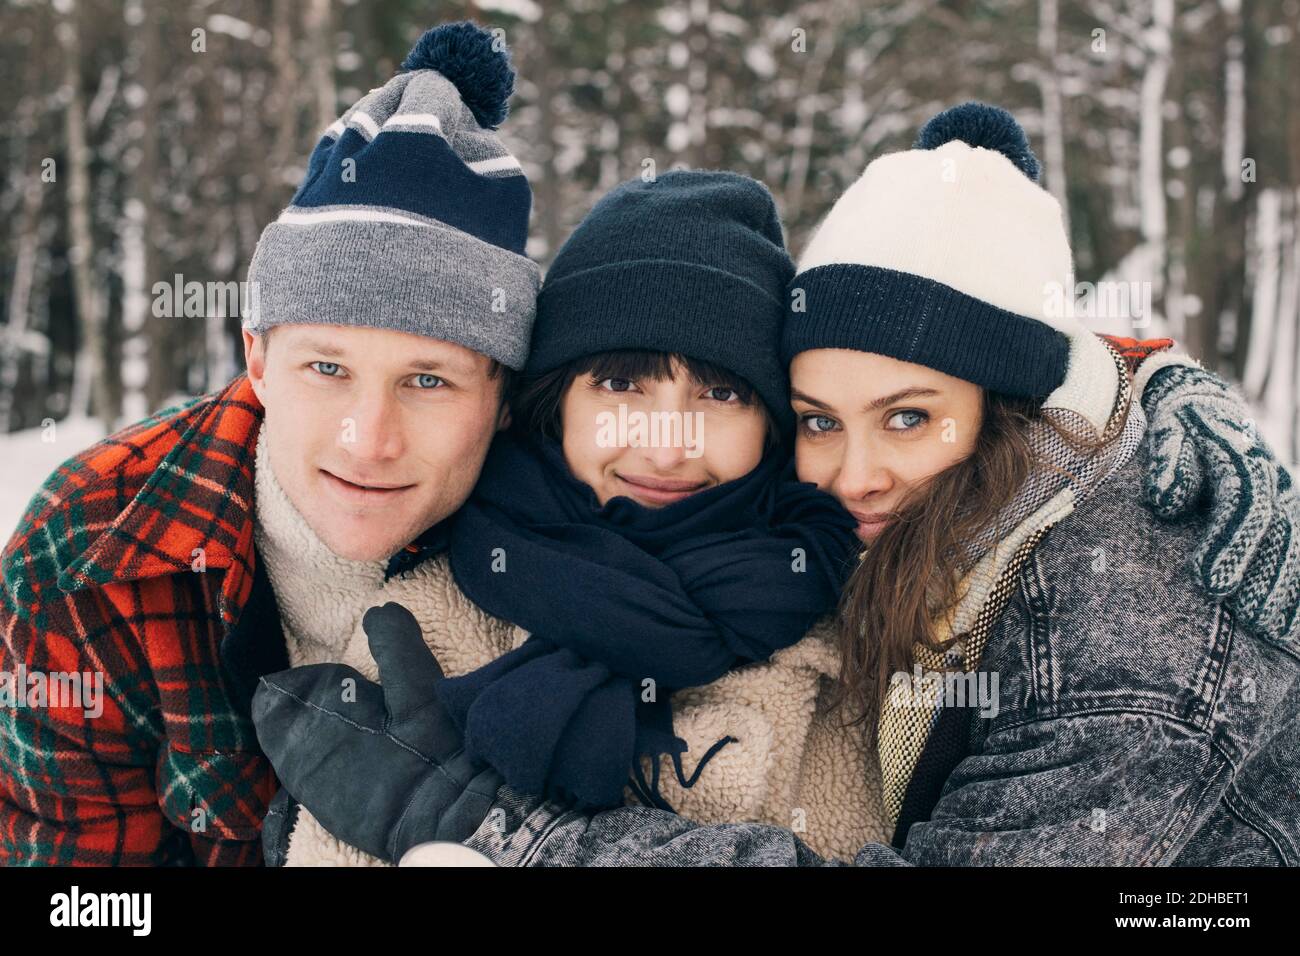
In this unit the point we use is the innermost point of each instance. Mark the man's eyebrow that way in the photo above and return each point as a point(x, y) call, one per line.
point(435, 365)
point(323, 347)
point(915, 391)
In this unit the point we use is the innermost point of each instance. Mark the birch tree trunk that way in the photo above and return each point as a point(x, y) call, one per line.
point(697, 120)
point(1053, 111)
point(1225, 304)
point(549, 198)
point(1151, 184)
point(90, 393)
point(1264, 287)
point(1280, 398)
point(320, 35)
point(147, 352)
point(14, 343)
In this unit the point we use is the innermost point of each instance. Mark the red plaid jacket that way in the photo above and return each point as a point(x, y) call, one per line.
point(135, 560)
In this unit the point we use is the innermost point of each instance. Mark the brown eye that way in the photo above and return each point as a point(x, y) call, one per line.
point(616, 384)
point(723, 393)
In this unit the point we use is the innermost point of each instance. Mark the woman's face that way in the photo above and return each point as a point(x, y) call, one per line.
point(872, 429)
point(658, 442)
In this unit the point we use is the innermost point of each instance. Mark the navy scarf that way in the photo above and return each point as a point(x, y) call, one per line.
point(625, 605)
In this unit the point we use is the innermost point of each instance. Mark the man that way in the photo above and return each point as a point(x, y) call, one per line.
point(399, 296)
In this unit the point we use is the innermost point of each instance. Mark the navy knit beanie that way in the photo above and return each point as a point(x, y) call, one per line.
point(692, 263)
point(948, 255)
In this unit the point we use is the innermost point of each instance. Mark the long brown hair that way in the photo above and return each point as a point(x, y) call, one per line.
point(910, 575)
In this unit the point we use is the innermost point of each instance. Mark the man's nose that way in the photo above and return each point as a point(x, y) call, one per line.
point(373, 429)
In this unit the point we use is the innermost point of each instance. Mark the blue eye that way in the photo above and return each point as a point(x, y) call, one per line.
point(326, 368)
point(912, 419)
point(818, 424)
point(428, 381)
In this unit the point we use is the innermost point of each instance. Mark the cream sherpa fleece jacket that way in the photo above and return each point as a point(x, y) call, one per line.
point(791, 764)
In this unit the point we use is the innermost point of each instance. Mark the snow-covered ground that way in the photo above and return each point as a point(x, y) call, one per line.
point(28, 457)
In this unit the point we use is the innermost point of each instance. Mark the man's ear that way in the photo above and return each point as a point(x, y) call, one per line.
point(255, 360)
point(503, 417)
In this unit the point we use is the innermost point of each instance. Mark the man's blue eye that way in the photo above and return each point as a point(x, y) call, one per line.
point(326, 368)
point(428, 381)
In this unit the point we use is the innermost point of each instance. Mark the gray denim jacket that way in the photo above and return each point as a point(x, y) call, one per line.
point(1137, 725)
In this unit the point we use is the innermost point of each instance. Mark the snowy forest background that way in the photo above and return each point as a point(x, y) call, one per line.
point(1169, 130)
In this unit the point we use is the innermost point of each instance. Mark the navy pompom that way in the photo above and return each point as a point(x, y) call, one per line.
point(463, 53)
point(979, 124)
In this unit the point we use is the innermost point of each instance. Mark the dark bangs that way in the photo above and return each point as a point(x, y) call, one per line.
point(536, 405)
point(658, 367)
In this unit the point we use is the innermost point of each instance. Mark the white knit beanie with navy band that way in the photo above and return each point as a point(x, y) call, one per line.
point(948, 255)
point(413, 215)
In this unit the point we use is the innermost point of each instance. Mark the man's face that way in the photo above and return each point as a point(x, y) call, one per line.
point(374, 435)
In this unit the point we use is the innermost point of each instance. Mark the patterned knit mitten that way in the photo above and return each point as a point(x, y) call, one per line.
point(1206, 452)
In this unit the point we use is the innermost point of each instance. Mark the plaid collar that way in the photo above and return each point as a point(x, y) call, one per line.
point(192, 510)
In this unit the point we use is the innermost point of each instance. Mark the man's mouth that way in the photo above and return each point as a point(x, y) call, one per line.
point(357, 490)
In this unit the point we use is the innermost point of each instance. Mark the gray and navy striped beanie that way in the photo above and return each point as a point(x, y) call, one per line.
point(413, 215)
